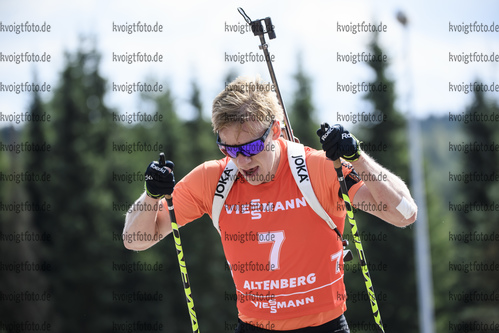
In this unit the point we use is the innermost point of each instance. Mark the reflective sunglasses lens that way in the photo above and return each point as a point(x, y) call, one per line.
point(253, 148)
point(247, 150)
point(232, 151)
point(223, 149)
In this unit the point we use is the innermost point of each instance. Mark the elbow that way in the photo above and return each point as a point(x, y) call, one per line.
point(408, 212)
point(413, 218)
point(400, 220)
point(408, 221)
point(129, 245)
point(128, 242)
point(134, 245)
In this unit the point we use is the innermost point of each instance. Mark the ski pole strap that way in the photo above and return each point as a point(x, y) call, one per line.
point(358, 246)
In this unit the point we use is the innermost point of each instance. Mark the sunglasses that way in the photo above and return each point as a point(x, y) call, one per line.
point(247, 149)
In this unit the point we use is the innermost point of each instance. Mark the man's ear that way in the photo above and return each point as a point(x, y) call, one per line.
point(276, 130)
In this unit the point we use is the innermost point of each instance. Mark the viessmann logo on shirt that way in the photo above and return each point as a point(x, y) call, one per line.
point(256, 208)
point(274, 302)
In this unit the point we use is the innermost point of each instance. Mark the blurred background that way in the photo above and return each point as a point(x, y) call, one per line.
point(63, 266)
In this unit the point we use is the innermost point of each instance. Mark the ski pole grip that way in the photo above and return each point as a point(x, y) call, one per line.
point(162, 159)
point(162, 162)
point(337, 162)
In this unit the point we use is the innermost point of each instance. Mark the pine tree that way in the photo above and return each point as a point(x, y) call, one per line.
point(20, 240)
point(203, 145)
point(302, 111)
point(84, 227)
point(479, 220)
point(391, 255)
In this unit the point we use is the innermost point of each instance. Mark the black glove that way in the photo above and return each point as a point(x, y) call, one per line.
point(338, 142)
point(159, 178)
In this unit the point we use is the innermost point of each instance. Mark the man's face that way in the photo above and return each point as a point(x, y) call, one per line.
point(259, 168)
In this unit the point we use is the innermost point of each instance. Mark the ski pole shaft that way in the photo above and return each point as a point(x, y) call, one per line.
point(358, 246)
point(258, 30)
point(180, 257)
point(288, 132)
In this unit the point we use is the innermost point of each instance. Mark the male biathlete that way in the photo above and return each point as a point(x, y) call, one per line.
point(286, 261)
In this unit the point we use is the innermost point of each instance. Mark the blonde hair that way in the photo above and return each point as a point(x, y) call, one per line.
point(246, 100)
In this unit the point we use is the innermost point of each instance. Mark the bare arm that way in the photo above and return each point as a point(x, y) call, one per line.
point(381, 197)
point(146, 223)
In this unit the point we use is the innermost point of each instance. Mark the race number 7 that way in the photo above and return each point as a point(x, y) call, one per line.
point(276, 238)
point(337, 256)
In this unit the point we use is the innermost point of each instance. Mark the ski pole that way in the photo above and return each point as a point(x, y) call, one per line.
point(257, 28)
point(180, 256)
point(358, 244)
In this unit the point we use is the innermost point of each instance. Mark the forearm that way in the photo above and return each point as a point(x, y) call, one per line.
point(387, 191)
point(145, 227)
